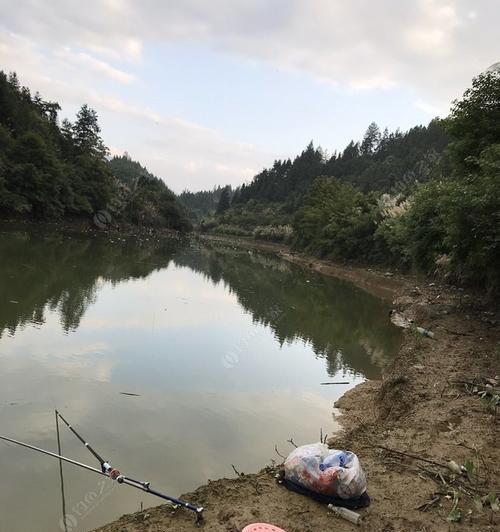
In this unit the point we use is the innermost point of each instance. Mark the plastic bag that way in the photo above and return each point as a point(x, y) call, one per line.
point(326, 471)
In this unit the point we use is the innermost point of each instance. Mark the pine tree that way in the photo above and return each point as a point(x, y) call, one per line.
point(371, 140)
point(86, 132)
point(224, 201)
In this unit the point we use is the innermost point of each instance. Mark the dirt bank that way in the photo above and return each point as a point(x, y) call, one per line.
point(421, 407)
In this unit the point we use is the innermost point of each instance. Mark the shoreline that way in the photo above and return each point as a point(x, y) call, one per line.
point(86, 226)
point(421, 407)
point(418, 407)
point(381, 283)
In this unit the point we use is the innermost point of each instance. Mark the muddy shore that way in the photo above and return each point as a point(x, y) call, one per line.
point(423, 406)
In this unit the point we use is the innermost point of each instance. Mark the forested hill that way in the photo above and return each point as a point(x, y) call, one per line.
point(379, 162)
point(51, 170)
point(427, 199)
point(146, 199)
point(382, 162)
point(202, 202)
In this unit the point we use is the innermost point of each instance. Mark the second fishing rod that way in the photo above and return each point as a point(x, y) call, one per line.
point(115, 474)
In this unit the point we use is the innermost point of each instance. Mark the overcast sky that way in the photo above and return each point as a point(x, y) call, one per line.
point(208, 92)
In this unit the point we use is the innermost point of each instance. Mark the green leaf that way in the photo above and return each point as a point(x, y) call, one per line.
point(455, 516)
point(493, 500)
point(469, 468)
point(478, 503)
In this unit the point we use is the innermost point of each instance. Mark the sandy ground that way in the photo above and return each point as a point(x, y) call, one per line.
point(420, 407)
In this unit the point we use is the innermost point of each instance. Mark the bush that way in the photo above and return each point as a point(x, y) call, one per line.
point(274, 233)
point(232, 230)
point(451, 226)
point(338, 221)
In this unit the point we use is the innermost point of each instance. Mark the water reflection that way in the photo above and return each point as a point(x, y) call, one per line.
point(225, 349)
point(63, 273)
point(343, 324)
point(57, 271)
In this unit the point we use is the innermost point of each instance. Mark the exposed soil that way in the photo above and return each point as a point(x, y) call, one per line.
point(419, 407)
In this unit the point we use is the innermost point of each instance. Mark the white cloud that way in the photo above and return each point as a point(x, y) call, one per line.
point(373, 83)
point(430, 109)
point(431, 47)
point(348, 42)
point(84, 60)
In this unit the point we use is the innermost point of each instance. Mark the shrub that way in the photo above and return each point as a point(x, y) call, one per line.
point(337, 220)
point(274, 233)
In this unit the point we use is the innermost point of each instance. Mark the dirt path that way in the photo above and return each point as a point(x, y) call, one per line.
point(419, 407)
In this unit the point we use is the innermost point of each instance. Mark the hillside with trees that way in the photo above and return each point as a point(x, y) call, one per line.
point(145, 199)
point(380, 163)
point(427, 199)
point(51, 170)
point(203, 202)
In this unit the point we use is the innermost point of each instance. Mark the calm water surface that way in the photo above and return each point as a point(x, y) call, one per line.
point(224, 347)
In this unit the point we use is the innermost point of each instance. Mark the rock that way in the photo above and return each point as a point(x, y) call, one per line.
point(454, 467)
point(403, 301)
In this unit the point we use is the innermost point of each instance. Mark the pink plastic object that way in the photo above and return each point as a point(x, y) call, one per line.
point(262, 527)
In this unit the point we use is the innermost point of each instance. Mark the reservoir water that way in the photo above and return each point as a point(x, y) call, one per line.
point(223, 349)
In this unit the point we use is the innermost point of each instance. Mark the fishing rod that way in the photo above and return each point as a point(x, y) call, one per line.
point(108, 471)
point(96, 455)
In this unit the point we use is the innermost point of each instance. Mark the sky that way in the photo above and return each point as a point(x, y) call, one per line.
point(208, 93)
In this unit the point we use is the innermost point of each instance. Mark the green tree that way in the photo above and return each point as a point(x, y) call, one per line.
point(474, 122)
point(371, 139)
point(224, 201)
point(337, 220)
point(47, 171)
point(456, 222)
point(86, 133)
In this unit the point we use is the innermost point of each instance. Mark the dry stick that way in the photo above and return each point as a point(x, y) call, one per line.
point(278, 453)
point(236, 471)
point(457, 332)
point(292, 442)
point(456, 482)
point(426, 505)
point(409, 455)
point(486, 387)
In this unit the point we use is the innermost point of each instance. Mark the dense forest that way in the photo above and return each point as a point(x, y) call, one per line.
point(203, 202)
point(381, 163)
point(51, 170)
point(427, 199)
point(145, 199)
